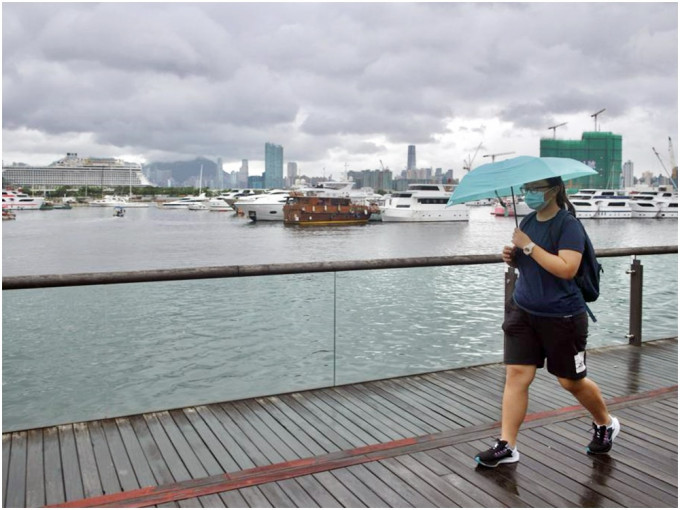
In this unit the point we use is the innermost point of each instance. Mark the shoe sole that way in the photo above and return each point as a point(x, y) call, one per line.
point(507, 460)
point(617, 429)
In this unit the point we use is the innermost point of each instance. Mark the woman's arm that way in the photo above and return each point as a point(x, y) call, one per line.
point(563, 265)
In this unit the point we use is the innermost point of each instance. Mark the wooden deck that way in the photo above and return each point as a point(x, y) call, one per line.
point(404, 442)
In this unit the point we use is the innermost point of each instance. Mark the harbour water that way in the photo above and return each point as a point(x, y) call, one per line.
point(87, 352)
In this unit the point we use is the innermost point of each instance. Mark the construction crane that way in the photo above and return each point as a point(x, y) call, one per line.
point(554, 128)
point(594, 115)
point(493, 156)
point(381, 165)
point(670, 176)
point(467, 163)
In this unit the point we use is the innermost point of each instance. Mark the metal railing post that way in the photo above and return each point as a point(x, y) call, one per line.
point(635, 324)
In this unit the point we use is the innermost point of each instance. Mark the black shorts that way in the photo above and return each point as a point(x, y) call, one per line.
point(531, 339)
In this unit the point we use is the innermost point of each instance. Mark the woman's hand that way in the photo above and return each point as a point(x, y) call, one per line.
point(509, 255)
point(520, 239)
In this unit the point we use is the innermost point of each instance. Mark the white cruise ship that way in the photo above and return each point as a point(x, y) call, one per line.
point(76, 171)
point(422, 202)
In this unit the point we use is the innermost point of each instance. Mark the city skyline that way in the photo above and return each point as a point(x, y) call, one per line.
point(448, 78)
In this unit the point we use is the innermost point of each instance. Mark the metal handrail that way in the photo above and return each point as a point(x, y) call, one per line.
point(197, 273)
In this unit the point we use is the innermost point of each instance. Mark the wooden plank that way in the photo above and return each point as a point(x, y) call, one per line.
point(417, 484)
point(89, 473)
point(257, 458)
point(6, 447)
point(297, 494)
point(386, 493)
point(300, 434)
point(172, 459)
point(272, 434)
point(121, 462)
point(237, 453)
point(54, 479)
point(140, 465)
point(181, 445)
point(319, 424)
point(105, 465)
point(397, 423)
point(204, 455)
point(35, 473)
point(491, 482)
point(255, 498)
point(221, 454)
point(359, 489)
point(233, 499)
point(73, 483)
point(363, 427)
point(414, 498)
point(333, 418)
point(488, 411)
point(16, 481)
point(538, 492)
point(579, 462)
point(276, 496)
point(318, 492)
point(152, 454)
point(375, 398)
point(338, 490)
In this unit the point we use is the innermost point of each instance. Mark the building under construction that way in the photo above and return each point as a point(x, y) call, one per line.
point(599, 150)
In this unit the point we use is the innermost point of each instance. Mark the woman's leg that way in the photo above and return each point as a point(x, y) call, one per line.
point(588, 394)
point(518, 378)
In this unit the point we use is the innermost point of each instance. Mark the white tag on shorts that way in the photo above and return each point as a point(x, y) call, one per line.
point(580, 362)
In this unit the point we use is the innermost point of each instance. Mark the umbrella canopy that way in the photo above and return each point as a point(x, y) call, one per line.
point(505, 178)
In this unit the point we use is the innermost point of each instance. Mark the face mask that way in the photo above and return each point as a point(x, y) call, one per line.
point(535, 200)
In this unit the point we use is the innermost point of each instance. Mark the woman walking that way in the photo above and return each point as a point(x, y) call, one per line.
point(546, 319)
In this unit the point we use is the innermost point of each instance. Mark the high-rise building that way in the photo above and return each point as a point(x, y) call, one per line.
point(411, 162)
point(291, 173)
point(599, 150)
point(242, 181)
point(628, 180)
point(273, 166)
point(219, 175)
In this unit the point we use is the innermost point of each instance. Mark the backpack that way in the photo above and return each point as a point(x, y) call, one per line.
point(587, 277)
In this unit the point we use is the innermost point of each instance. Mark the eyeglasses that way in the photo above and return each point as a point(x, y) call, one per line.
point(525, 189)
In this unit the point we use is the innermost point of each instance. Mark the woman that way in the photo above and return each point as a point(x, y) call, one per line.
point(546, 319)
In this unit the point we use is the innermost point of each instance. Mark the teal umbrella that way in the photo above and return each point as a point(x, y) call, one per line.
point(505, 178)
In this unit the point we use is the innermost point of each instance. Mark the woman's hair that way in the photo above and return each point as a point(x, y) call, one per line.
point(562, 200)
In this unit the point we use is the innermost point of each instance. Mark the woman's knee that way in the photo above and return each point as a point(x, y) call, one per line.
point(519, 375)
point(572, 385)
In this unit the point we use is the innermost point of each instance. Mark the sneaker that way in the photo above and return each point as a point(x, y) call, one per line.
point(499, 453)
point(603, 437)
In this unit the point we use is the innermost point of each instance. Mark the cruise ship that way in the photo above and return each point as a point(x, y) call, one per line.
point(75, 171)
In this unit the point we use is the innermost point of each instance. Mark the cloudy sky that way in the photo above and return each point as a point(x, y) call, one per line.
point(337, 85)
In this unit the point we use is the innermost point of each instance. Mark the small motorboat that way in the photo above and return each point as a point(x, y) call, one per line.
point(118, 212)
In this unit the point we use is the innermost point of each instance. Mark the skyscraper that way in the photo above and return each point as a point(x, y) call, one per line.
point(242, 181)
point(628, 180)
point(273, 165)
point(291, 172)
point(411, 163)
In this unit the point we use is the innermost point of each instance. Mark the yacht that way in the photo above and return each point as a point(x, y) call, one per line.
point(232, 196)
point(116, 201)
point(265, 207)
point(18, 200)
point(218, 204)
point(662, 203)
point(422, 202)
point(601, 203)
point(184, 202)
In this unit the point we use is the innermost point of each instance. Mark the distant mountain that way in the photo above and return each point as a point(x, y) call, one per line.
point(182, 173)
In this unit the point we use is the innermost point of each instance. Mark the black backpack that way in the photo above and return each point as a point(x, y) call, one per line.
point(588, 275)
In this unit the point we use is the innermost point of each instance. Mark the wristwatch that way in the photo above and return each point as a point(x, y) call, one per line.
point(528, 248)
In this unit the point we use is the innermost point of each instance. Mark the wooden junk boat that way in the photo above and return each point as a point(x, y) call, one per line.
point(303, 209)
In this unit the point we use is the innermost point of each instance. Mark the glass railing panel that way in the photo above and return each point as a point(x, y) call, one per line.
point(397, 322)
point(81, 353)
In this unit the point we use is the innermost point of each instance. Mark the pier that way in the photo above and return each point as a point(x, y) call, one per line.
point(401, 442)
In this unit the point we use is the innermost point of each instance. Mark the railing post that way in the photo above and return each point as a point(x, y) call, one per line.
point(635, 325)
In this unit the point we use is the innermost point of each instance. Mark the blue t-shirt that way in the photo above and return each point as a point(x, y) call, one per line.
point(537, 291)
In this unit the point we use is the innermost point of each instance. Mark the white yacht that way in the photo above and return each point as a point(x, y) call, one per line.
point(265, 207)
point(601, 203)
point(184, 202)
point(218, 204)
point(232, 196)
point(18, 200)
point(662, 203)
point(422, 202)
point(116, 201)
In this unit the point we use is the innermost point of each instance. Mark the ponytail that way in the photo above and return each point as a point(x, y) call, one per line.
point(561, 198)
